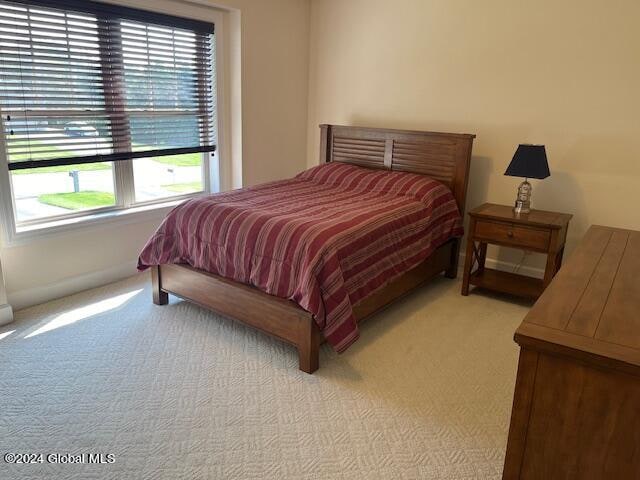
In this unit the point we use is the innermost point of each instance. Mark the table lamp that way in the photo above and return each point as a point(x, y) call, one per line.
point(529, 161)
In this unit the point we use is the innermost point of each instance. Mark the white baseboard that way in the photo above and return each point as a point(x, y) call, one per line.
point(6, 314)
point(509, 267)
point(36, 295)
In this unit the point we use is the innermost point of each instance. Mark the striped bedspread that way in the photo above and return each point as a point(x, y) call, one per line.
point(325, 239)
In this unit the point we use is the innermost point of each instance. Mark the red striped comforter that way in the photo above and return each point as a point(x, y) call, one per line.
point(325, 239)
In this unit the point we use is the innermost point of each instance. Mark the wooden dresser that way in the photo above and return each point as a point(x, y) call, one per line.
point(576, 406)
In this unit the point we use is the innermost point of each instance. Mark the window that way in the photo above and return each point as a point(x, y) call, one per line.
point(103, 107)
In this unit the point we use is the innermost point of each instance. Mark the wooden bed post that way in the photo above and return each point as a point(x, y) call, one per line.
point(308, 345)
point(325, 151)
point(459, 186)
point(159, 296)
point(452, 271)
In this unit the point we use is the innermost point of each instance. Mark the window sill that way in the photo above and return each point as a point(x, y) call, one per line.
point(29, 233)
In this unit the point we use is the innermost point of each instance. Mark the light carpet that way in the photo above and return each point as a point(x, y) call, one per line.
point(178, 392)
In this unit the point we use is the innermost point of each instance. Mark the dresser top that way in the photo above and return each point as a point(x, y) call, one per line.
point(504, 213)
point(591, 309)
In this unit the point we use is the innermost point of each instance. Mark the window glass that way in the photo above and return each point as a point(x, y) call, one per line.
point(62, 190)
point(168, 176)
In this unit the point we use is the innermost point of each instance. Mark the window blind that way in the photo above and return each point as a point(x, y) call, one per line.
point(87, 82)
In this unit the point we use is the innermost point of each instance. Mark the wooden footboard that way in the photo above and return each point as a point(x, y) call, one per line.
point(273, 315)
point(279, 317)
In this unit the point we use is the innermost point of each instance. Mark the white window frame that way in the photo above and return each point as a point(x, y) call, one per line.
point(126, 210)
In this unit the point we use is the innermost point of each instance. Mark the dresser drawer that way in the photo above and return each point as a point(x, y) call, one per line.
point(510, 234)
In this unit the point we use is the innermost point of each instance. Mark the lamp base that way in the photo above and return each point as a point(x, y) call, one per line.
point(523, 200)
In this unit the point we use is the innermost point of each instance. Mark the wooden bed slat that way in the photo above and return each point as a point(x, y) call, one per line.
point(360, 156)
point(353, 149)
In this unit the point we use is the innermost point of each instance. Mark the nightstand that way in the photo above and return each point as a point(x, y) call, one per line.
point(537, 231)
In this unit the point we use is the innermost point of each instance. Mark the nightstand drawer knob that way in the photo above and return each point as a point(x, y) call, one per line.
point(510, 233)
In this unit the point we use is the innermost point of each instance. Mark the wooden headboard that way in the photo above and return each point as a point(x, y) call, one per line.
point(442, 156)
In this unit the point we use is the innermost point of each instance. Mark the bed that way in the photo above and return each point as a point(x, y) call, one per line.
point(306, 259)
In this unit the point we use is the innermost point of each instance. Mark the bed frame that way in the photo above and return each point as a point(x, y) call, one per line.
point(443, 156)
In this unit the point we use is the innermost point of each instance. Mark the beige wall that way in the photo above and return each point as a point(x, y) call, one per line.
point(275, 68)
point(561, 73)
point(274, 43)
point(565, 74)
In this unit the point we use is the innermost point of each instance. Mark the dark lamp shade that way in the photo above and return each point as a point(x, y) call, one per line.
point(529, 161)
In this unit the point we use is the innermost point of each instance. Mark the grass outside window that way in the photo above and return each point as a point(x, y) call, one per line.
point(188, 187)
point(181, 160)
point(78, 200)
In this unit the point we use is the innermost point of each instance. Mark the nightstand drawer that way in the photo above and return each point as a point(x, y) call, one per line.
point(508, 233)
